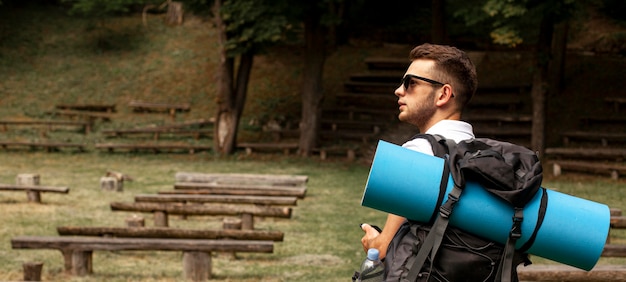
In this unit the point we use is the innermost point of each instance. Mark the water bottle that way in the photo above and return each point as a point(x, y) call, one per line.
point(372, 268)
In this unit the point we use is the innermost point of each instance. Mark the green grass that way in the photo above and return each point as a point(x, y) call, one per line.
point(55, 59)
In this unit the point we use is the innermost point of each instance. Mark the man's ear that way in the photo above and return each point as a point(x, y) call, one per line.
point(444, 95)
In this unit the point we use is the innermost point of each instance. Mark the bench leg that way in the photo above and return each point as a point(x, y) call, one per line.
point(32, 271)
point(82, 263)
point(160, 219)
point(247, 221)
point(197, 266)
point(34, 196)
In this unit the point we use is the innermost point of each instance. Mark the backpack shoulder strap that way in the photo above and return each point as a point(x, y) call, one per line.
point(440, 144)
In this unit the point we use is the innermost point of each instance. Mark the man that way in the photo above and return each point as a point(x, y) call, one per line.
point(437, 85)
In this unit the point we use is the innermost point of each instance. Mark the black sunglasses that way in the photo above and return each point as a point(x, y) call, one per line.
point(407, 79)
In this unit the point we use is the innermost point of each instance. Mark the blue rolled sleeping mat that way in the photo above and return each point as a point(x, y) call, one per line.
point(406, 183)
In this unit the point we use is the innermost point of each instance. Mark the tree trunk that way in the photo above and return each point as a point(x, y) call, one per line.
point(312, 90)
point(438, 28)
point(230, 97)
point(541, 84)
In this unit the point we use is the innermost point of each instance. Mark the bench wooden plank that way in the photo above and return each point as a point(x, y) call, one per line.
point(588, 153)
point(614, 250)
point(151, 106)
point(159, 147)
point(611, 169)
point(280, 212)
point(617, 102)
point(618, 221)
point(173, 233)
point(48, 146)
point(138, 244)
point(86, 126)
point(91, 116)
point(243, 178)
point(599, 136)
point(567, 273)
point(242, 189)
point(387, 63)
point(38, 188)
point(228, 199)
point(109, 108)
point(284, 146)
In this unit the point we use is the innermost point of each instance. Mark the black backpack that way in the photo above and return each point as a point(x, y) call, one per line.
point(434, 251)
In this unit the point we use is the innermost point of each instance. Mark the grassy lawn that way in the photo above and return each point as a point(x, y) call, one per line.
point(56, 59)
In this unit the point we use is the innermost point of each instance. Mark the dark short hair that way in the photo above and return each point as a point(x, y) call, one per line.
point(453, 66)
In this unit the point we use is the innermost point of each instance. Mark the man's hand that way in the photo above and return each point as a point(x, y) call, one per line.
point(369, 240)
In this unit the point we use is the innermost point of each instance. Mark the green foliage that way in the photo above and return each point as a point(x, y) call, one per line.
point(513, 22)
point(101, 8)
point(251, 25)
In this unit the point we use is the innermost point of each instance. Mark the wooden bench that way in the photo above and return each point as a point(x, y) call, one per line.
point(255, 146)
point(373, 126)
point(77, 251)
point(89, 116)
point(366, 99)
point(363, 136)
point(243, 178)
point(387, 63)
point(612, 169)
point(499, 119)
point(361, 113)
point(597, 136)
point(195, 128)
point(222, 199)
point(155, 148)
point(84, 125)
point(106, 108)
point(48, 146)
point(162, 210)
point(349, 152)
point(240, 189)
point(170, 233)
point(599, 273)
point(171, 109)
point(617, 154)
point(615, 120)
point(371, 87)
point(34, 191)
point(616, 102)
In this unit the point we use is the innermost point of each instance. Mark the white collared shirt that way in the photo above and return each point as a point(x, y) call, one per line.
point(450, 129)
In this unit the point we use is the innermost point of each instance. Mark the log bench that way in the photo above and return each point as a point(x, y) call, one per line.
point(48, 146)
point(195, 128)
point(243, 178)
point(349, 151)
point(222, 199)
point(84, 125)
point(158, 132)
point(34, 191)
point(162, 210)
point(106, 108)
point(150, 107)
point(614, 170)
point(617, 154)
point(89, 116)
point(253, 146)
point(373, 126)
point(239, 189)
point(360, 113)
point(596, 136)
point(155, 148)
point(386, 63)
point(599, 273)
point(616, 102)
point(77, 251)
point(170, 233)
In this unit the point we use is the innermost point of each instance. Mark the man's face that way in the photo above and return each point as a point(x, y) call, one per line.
point(417, 101)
